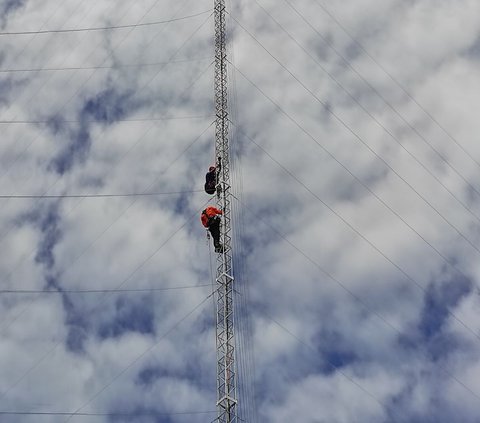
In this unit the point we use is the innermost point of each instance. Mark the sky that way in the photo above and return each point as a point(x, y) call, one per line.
point(355, 164)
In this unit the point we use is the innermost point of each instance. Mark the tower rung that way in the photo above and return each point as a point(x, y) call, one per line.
point(226, 276)
point(226, 398)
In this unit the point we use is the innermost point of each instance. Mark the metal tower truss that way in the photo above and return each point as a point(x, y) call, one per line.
point(226, 369)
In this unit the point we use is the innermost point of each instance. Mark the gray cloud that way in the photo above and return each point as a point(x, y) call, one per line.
point(344, 311)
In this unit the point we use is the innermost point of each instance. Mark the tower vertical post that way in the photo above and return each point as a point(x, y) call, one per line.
point(225, 337)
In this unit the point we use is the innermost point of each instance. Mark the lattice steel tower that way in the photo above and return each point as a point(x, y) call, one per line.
point(226, 368)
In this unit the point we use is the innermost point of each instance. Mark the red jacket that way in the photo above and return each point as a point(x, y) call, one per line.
point(209, 212)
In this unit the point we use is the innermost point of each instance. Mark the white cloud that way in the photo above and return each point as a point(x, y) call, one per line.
point(391, 337)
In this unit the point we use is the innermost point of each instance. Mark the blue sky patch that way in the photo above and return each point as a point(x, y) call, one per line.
point(440, 299)
point(108, 106)
point(77, 323)
point(131, 315)
point(9, 6)
point(334, 351)
point(76, 150)
point(51, 235)
point(148, 375)
point(105, 108)
point(7, 87)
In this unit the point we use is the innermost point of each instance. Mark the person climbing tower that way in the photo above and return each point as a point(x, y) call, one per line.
point(211, 220)
point(211, 178)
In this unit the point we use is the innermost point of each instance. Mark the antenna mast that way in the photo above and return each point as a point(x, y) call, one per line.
point(226, 369)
